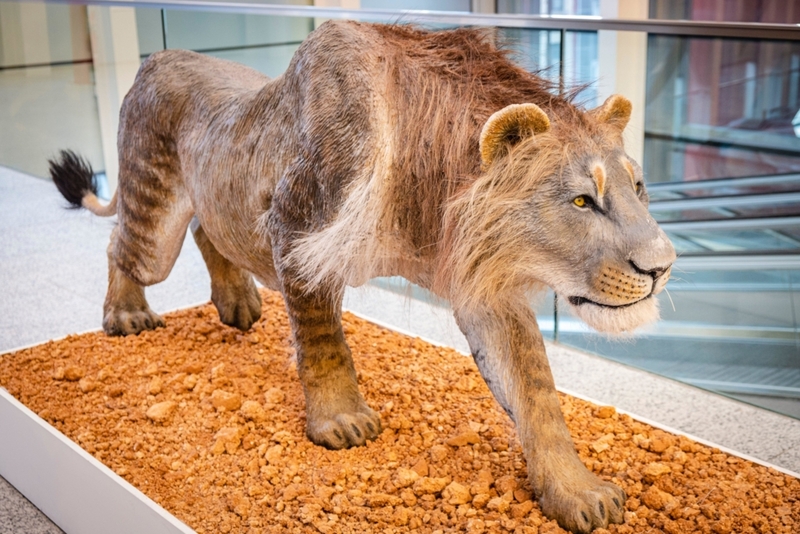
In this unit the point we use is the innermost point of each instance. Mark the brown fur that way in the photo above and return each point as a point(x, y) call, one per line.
point(364, 159)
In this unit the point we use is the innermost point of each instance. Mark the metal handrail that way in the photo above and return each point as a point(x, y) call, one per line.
point(685, 28)
point(759, 223)
point(736, 262)
point(715, 183)
point(724, 201)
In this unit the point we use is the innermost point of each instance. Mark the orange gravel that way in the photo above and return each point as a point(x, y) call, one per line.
point(208, 422)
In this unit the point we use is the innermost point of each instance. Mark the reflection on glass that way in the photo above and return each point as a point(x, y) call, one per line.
point(721, 108)
point(46, 109)
point(42, 34)
point(776, 11)
point(549, 7)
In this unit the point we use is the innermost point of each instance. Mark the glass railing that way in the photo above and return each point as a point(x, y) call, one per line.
point(717, 132)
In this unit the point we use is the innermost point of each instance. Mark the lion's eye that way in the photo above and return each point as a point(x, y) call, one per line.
point(582, 201)
point(638, 187)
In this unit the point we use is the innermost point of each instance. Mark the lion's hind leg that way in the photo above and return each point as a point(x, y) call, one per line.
point(233, 291)
point(125, 310)
point(153, 213)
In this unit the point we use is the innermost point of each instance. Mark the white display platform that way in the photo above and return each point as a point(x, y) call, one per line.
point(75, 490)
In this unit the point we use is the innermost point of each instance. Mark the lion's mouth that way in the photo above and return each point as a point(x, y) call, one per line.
point(577, 301)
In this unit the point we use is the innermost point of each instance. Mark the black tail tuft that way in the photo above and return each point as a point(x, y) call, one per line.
point(73, 177)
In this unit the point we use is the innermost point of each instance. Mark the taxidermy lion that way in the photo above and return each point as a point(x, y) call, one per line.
point(388, 150)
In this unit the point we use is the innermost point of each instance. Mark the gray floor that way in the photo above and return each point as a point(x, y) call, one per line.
point(18, 516)
point(52, 283)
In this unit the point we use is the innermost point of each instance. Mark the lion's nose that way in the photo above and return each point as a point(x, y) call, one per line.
point(655, 273)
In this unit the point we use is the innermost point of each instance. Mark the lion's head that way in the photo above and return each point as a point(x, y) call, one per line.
point(560, 203)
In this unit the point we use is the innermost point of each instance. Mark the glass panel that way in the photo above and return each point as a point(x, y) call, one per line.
point(220, 31)
point(271, 60)
point(150, 30)
point(536, 50)
point(46, 109)
point(777, 11)
point(721, 108)
point(549, 7)
point(40, 34)
point(428, 5)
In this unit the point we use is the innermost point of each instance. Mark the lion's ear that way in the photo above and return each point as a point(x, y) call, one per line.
point(615, 111)
point(508, 127)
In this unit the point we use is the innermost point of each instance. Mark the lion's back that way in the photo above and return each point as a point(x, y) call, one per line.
point(174, 87)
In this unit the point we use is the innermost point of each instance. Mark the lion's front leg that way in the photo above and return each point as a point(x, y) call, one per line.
point(508, 349)
point(337, 417)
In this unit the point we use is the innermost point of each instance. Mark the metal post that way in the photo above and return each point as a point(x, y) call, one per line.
point(164, 27)
point(561, 61)
point(555, 317)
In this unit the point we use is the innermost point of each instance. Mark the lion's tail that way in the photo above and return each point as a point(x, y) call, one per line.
point(74, 179)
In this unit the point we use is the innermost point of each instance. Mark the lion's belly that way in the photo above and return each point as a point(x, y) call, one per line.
point(232, 207)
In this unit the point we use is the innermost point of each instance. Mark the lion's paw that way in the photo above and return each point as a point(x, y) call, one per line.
point(238, 307)
point(125, 322)
point(346, 429)
point(585, 506)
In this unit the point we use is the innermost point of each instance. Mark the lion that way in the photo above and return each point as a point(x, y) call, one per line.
point(388, 150)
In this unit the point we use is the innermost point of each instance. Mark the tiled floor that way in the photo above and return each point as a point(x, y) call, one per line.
point(52, 282)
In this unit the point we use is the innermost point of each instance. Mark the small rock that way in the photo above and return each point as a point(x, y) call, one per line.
point(87, 385)
point(660, 441)
point(421, 468)
point(439, 453)
point(475, 526)
point(499, 444)
point(455, 493)
point(161, 411)
point(379, 500)
point(498, 504)
point(253, 411)
point(190, 382)
point(405, 477)
point(409, 499)
point(193, 368)
point(655, 469)
point(522, 495)
point(429, 485)
point(239, 504)
point(605, 412)
point(466, 383)
point(155, 385)
point(223, 400)
point(227, 440)
point(723, 526)
point(274, 396)
point(655, 499)
point(599, 446)
point(273, 454)
point(401, 516)
point(466, 437)
point(505, 484)
point(292, 491)
point(518, 511)
point(73, 373)
point(480, 500)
